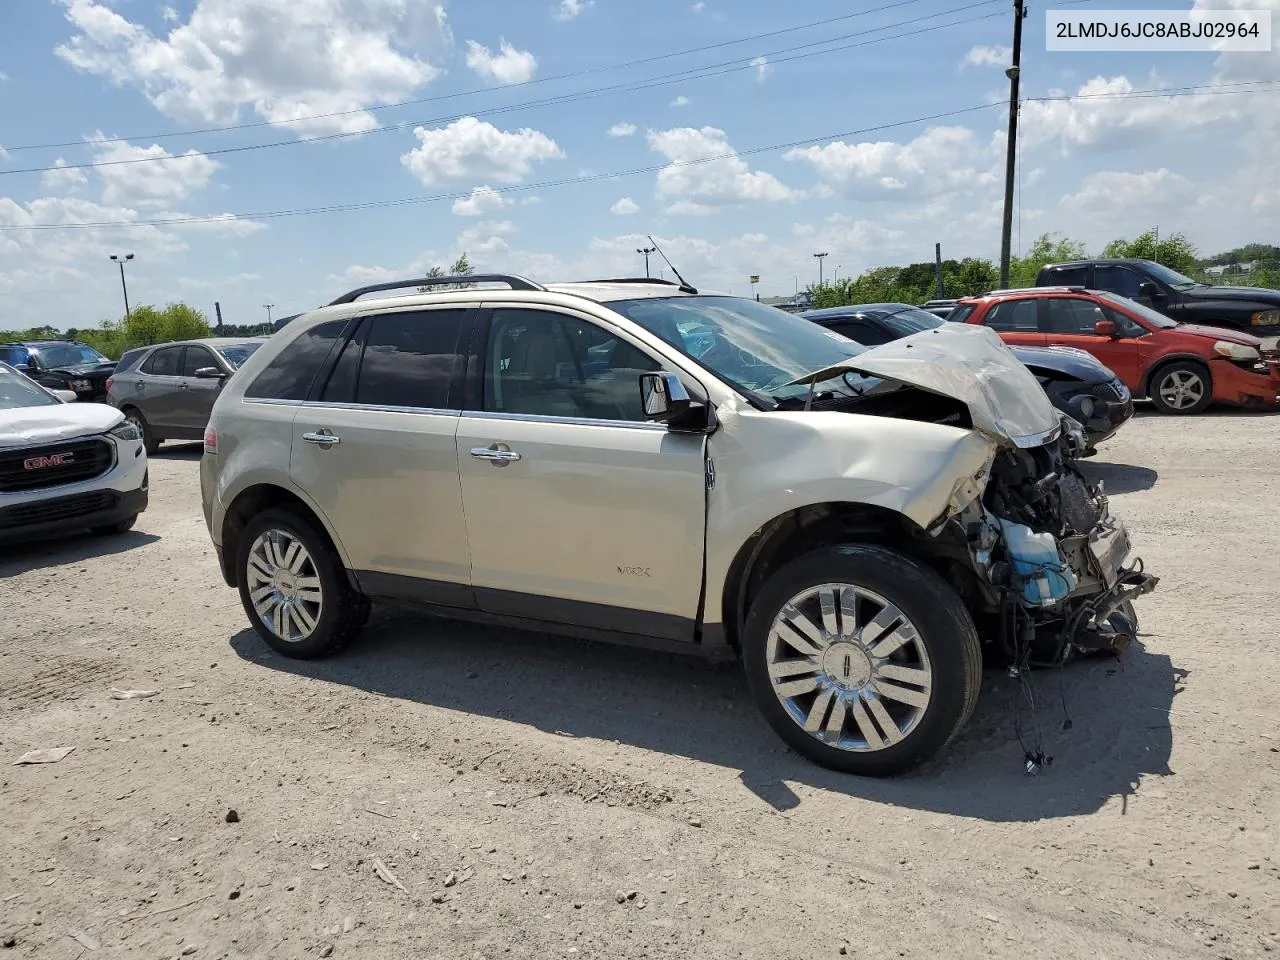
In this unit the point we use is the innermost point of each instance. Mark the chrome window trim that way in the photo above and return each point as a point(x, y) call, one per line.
point(580, 421)
point(326, 405)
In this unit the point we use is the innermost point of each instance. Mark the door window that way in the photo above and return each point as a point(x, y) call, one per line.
point(1013, 316)
point(164, 362)
point(1117, 279)
point(1067, 277)
point(1072, 316)
point(291, 372)
point(551, 364)
point(409, 359)
point(196, 358)
point(861, 331)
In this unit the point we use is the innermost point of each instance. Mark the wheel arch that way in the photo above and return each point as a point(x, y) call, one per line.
point(253, 500)
point(813, 526)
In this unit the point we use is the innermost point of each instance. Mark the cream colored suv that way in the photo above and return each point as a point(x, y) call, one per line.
point(635, 461)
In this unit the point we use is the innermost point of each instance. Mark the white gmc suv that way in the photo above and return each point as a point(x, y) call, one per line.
point(636, 461)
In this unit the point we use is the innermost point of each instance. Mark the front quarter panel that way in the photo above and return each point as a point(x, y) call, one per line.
point(770, 463)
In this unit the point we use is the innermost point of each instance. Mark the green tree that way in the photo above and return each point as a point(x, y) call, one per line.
point(1174, 251)
point(182, 322)
point(1048, 248)
point(142, 327)
point(459, 268)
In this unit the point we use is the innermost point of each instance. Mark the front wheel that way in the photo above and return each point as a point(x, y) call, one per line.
point(1181, 388)
point(149, 443)
point(862, 659)
point(294, 588)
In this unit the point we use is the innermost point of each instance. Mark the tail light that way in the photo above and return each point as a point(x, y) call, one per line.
point(211, 440)
point(109, 381)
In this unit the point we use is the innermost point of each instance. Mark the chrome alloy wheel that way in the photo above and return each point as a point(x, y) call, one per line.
point(849, 667)
point(1181, 389)
point(284, 585)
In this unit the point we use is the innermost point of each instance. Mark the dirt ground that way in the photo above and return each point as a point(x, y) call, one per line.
point(446, 791)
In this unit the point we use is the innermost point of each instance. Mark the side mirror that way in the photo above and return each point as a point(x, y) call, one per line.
point(1106, 328)
point(66, 396)
point(1148, 289)
point(210, 373)
point(664, 397)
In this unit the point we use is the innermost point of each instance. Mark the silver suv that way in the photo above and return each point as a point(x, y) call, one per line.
point(636, 461)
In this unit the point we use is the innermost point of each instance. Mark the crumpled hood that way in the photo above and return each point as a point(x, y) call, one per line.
point(86, 369)
point(968, 363)
point(27, 426)
point(1219, 333)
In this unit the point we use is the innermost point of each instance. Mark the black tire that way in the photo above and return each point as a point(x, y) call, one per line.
point(944, 627)
point(343, 611)
point(149, 442)
point(1180, 368)
point(120, 526)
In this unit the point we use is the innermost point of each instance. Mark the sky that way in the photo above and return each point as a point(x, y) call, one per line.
point(254, 152)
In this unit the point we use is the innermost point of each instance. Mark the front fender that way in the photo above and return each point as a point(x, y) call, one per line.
point(768, 464)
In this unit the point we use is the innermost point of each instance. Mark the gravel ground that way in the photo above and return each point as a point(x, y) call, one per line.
point(451, 791)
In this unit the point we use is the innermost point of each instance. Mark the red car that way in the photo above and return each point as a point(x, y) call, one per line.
point(1180, 367)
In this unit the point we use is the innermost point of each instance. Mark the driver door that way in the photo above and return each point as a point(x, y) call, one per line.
point(578, 509)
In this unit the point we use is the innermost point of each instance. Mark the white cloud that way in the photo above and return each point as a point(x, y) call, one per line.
point(488, 237)
point(63, 178)
point(625, 207)
point(699, 7)
point(680, 101)
point(723, 180)
point(483, 201)
point(221, 225)
point(996, 55)
point(762, 67)
point(508, 65)
point(281, 60)
point(688, 208)
point(1095, 116)
point(940, 159)
point(469, 150)
point(622, 129)
point(1122, 198)
point(169, 15)
point(568, 9)
point(160, 176)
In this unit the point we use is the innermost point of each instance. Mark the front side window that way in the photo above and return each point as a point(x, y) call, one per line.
point(291, 372)
point(165, 362)
point(1073, 316)
point(551, 364)
point(197, 358)
point(237, 353)
point(1013, 316)
point(17, 390)
point(1153, 319)
point(756, 349)
point(410, 359)
point(1117, 279)
point(1171, 278)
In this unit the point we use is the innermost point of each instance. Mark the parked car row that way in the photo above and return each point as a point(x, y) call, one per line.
point(61, 365)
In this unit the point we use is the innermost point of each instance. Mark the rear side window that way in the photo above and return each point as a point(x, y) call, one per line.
point(341, 386)
point(291, 372)
point(1067, 277)
point(410, 359)
point(130, 360)
point(164, 362)
point(960, 314)
point(1013, 316)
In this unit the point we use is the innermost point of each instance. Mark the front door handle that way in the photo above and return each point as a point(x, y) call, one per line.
point(499, 454)
point(322, 438)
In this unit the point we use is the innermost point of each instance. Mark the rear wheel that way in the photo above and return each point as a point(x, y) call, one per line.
point(1181, 388)
point(862, 659)
point(294, 588)
point(149, 442)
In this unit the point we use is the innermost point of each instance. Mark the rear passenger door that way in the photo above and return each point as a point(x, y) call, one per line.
point(1017, 321)
point(579, 510)
point(374, 447)
point(157, 388)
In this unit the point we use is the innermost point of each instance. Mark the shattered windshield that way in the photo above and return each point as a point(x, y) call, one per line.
point(755, 348)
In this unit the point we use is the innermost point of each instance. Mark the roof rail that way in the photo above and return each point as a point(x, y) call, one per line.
point(515, 283)
point(670, 283)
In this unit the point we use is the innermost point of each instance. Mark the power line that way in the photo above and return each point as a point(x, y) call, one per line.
point(692, 73)
point(513, 188)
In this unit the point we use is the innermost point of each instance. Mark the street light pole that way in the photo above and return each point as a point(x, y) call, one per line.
point(1011, 145)
point(120, 261)
point(820, 257)
point(644, 252)
point(268, 307)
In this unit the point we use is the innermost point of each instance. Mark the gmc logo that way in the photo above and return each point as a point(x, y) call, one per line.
point(52, 460)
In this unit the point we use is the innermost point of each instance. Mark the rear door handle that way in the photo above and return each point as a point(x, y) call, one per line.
point(499, 454)
point(324, 439)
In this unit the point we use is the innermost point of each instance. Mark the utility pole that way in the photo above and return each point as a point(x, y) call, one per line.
point(820, 257)
point(268, 307)
point(1011, 145)
point(1156, 252)
point(937, 270)
point(120, 261)
point(644, 252)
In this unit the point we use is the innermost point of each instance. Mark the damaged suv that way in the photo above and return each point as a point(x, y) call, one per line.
point(635, 461)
